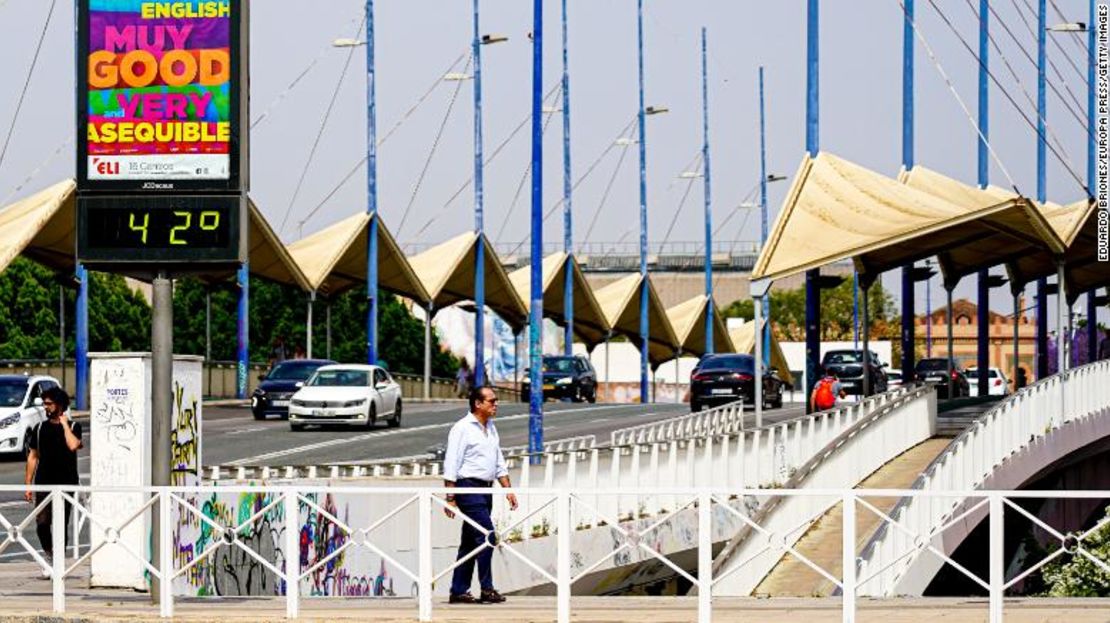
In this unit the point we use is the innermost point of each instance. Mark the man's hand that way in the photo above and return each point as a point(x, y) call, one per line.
point(447, 510)
point(512, 501)
point(29, 496)
point(64, 419)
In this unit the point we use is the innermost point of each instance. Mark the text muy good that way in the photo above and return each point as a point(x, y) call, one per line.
point(139, 68)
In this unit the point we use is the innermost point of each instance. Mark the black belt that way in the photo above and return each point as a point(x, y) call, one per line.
point(475, 482)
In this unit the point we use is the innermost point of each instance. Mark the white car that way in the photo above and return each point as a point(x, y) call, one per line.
point(21, 408)
point(997, 383)
point(893, 378)
point(346, 394)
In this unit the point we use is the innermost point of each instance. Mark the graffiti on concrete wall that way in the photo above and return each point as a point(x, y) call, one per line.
point(185, 437)
point(231, 571)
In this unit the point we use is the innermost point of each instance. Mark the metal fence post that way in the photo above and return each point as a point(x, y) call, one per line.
point(58, 547)
point(424, 555)
point(165, 556)
point(849, 559)
point(562, 564)
point(292, 556)
point(705, 558)
point(997, 561)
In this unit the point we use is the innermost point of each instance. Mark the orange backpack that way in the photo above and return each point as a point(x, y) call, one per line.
point(825, 398)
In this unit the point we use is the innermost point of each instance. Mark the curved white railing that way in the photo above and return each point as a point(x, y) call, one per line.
point(882, 433)
point(916, 525)
point(722, 420)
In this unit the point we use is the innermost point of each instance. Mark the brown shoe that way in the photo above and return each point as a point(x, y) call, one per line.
point(464, 598)
point(491, 597)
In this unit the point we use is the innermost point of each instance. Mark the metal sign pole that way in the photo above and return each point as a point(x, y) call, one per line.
point(161, 400)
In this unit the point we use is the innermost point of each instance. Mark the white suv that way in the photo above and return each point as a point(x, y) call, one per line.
point(997, 383)
point(21, 408)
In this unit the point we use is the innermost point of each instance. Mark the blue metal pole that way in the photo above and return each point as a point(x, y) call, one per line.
point(855, 310)
point(480, 252)
point(535, 317)
point(568, 223)
point(1042, 191)
point(813, 290)
point(1092, 308)
point(908, 285)
point(242, 327)
point(372, 194)
point(81, 358)
point(643, 208)
point(764, 230)
point(984, 293)
point(707, 196)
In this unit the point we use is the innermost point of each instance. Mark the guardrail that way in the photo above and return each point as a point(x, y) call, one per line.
point(1019, 421)
point(289, 513)
point(725, 419)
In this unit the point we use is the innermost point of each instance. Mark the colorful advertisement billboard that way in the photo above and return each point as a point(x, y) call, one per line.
point(158, 94)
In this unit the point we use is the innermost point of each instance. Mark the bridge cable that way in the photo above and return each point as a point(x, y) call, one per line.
point(1005, 92)
point(1033, 62)
point(320, 131)
point(523, 178)
point(27, 82)
point(609, 185)
point(497, 151)
point(434, 148)
point(1059, 46)
point(1017, 80)
point(396, 126)
point(697, 164)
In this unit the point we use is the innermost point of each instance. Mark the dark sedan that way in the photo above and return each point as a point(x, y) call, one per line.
point(280, 383)
point(847, 366)
point(566, 378)
point(935, 370)
point(720, 379)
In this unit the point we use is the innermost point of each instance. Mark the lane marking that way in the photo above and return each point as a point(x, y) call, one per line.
point(400, 431)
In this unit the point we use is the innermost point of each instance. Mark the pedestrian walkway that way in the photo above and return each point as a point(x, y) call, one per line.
point(822, 543)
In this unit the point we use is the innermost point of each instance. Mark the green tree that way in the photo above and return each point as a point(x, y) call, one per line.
point(119, 318)
point(279, 310)
point(788, 311)
point(1075, 575)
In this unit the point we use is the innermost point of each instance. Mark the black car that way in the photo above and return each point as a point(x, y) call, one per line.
point(719, 379)
point(935, 370)
point(565, 377)
point(281, 382)
point(847, 367)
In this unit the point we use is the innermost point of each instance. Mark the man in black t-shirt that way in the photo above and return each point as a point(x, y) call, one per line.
point(52, 459)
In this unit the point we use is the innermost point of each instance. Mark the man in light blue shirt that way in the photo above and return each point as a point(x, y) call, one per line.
point(474, 459)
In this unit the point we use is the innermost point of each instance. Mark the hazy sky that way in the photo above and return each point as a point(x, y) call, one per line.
point(417, 41)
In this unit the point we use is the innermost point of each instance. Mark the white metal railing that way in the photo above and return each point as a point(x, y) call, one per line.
point(764, 457)
point(291, 506)
point(1018, 422)
point(725, 419)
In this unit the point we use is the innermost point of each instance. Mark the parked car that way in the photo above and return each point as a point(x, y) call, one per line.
point(280, 383)
point(21, 408)
point(847, 366)
point(935, 370)
point(565, 377)
point(346, 394)
point(893, 378)
point(720, 379)
point(997, 383)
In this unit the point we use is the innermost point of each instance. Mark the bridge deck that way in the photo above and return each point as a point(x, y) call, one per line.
point(136, 608)
point(822, 543)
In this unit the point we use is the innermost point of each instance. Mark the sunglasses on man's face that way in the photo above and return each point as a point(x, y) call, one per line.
point(48, 403)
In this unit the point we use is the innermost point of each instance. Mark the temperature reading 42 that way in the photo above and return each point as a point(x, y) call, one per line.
point(156, 229)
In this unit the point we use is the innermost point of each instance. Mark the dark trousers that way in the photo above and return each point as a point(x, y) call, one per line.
point(43, 519)
point(477, 507)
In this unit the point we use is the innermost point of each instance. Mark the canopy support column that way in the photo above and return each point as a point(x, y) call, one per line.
point(865, 322)
point(1017, 338)
point(1061, 320)
point(308, 327)
point(757, 380)
point(982, 357)
point(677, 393)
point(1092, 326)
point(951, 354)
point(327, 328)
point(428, 312)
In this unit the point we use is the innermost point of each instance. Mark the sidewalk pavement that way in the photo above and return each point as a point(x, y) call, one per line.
point(27, 598)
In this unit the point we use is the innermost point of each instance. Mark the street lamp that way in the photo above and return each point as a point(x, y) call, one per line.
point(455, 76)
point(775, 178)
point(1068, 27)
point(347, 43)
point(488, 39)
point(656, 110)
